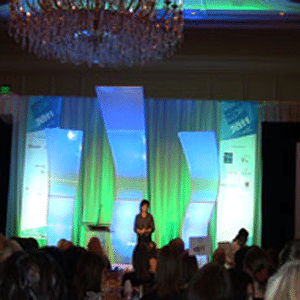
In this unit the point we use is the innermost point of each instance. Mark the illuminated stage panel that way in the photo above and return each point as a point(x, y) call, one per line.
point(196, 220)
point(64, 154)
point(123, 114)
point(129, 152)
point(35, 186)
point(201, 153)
point(123, 237)
point(122, 108)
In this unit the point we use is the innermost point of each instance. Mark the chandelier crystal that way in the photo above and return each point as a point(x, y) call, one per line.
point(107, 33)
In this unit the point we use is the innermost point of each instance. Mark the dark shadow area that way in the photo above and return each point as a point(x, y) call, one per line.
point(278, 193)
point(5, 151)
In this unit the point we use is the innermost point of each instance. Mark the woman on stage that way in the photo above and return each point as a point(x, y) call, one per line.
point(144, 223)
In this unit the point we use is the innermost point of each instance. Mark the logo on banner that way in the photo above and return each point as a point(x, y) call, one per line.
point(238, 119)
point(44, 113)
point(228, 158)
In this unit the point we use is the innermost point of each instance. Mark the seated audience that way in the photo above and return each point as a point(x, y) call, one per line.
point(259, 267)
point(8, 247)
point(285, 284)
point(27, 244)
point(177, 245)
point(70, 258)
point(32, 276)
point(95, 246)
point(87, 277)
point(168, 278)
point(63, 244)
point(212, 282)
point(141, 276)
point(290, 252)
point(241, 280)
point(189, 268)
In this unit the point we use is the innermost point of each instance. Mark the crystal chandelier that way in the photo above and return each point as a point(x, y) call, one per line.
point(107, 33)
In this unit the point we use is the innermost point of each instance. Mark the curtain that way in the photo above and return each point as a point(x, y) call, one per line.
point(270, 112)
point(169, 181)
point(16, 106)
point(96, 187)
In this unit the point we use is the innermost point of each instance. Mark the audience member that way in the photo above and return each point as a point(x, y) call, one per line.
point(290, 252)
point(63, 244)
point(259, 267)
point(27, 244)
point(285, 284)
point(211, 282)
point(241, 280)
point(95, 246)
point(32, 276)
point(8, 248)
point(87, 277)
point(169, 280)
point(141, 276)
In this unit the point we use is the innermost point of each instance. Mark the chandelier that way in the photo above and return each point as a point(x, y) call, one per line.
point(107, 33)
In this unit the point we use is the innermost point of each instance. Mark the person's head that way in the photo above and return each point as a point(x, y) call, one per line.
point(212, 282)
point(285, 284)
point(88, 275)
point(32, 275)
point(144, 205)
point(189, 267)
point(291, 251)
point(242, 237)
point(8, 248)
point(141, 262)
point(177, 245)
point(258, 265)
point(95, 246)
point(63, 244)
point(169, 275)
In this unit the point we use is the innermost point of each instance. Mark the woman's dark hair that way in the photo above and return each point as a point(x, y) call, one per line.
point(88, 274)
point(212, 282)
point(189, 267)
point(144, 202)
point(291, 251)
point(70, 258)
point(169, 275)
point(243, 233)
point(140, 261)
point(256, 260)
point(55, 253)
point(32, 276)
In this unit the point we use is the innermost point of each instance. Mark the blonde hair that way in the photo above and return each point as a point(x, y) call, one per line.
point(285, 284)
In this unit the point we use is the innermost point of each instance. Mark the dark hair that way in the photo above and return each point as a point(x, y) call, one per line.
point(189, 267)
point(291, 251)
point(144, 202)
point(169, 275)
point(212, 282)
point(87, 275)
point(177, 245)
point(239, 257)
point(140, 260)
point(256, 260)
point(243, 233)
point(32, 275)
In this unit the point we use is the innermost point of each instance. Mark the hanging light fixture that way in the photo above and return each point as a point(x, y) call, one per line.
point(107, 33)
